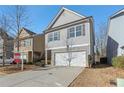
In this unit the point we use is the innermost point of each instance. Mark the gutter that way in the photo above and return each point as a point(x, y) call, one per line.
point(67, 24)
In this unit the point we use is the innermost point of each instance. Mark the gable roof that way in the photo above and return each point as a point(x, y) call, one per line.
point(28, 31)
point(58, 15)
point(3, 34)
point(117, 14)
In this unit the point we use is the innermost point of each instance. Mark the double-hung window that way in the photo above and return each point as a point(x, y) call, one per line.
point(28, 42)
point(16, 43)
point(53, 36)
point(56, 36)
point(78, 30)
point(71, 32)
point(22, 43)
point(75, 31)
point(50, 37)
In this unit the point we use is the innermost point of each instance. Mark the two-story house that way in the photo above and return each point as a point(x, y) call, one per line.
point(6, 45)
point(115, 41)
point(31, 45)
point(69, 39)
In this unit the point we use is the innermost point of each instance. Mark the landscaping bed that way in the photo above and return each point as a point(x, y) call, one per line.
point(100, 76)
point(14, 69)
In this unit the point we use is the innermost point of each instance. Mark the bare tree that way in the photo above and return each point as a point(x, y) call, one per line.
point(3, 33)
point(13, 22)
point(69, 44)
point(101, 39)
point(3, 43)
point(18, 19)
point(97, 48)
point(97, 40)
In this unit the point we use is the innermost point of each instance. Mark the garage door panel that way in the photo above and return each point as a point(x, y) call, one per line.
point(77, 59)
point(61, 59)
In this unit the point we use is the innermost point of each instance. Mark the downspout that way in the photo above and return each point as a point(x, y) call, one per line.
point(92, 41)
point(33, 50)
point(108, 26)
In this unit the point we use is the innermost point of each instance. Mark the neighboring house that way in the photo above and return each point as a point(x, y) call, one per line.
point(31, 45)
point(115, 41)
point(6, 45)
point(69, 39)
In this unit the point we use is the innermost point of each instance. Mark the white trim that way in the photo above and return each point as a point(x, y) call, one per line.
point(55, 18)
point(73, 12)
point(116, 13)
point(65, 46)
point(75, 35)
point(63, 8)
point(80, 45)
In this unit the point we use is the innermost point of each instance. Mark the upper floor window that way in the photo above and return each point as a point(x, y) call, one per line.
point(75, 31)
point(78, 30)
point(50, 37)
point(24, 43)
point(72, 32)
point(56, 35)
point(16, 43)
point(53, 36)
point(27, 42)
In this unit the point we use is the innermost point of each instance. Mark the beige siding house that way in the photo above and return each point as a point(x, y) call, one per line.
point(69, 39)
point(31, 46)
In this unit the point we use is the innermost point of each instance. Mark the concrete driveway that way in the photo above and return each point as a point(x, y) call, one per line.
point(54, 77)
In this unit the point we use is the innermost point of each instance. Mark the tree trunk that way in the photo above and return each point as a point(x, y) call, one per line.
point(4, 53)
point(18, 46)
point(3, 60)
point(4, 45)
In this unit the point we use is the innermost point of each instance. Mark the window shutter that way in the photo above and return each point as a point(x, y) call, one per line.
point(68, 32)
point(83, 29)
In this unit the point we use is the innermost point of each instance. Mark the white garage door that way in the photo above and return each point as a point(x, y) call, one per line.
point(74, 58)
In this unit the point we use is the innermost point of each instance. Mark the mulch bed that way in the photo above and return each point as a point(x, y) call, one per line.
point(100, 76)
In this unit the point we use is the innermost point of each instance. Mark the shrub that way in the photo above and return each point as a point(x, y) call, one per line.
point(118, 62)
point(29, 63)
point(40, 63)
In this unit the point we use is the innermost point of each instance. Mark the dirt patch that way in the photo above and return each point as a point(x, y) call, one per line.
point(14, 69)
point(101, 76)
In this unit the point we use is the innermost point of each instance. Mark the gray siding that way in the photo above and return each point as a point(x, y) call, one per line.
point(66, 17)
point(75, 41)
point(9, 48)
point(115, 37)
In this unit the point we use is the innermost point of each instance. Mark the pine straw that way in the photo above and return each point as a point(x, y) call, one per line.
point(101, 76)
point(14, 69)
